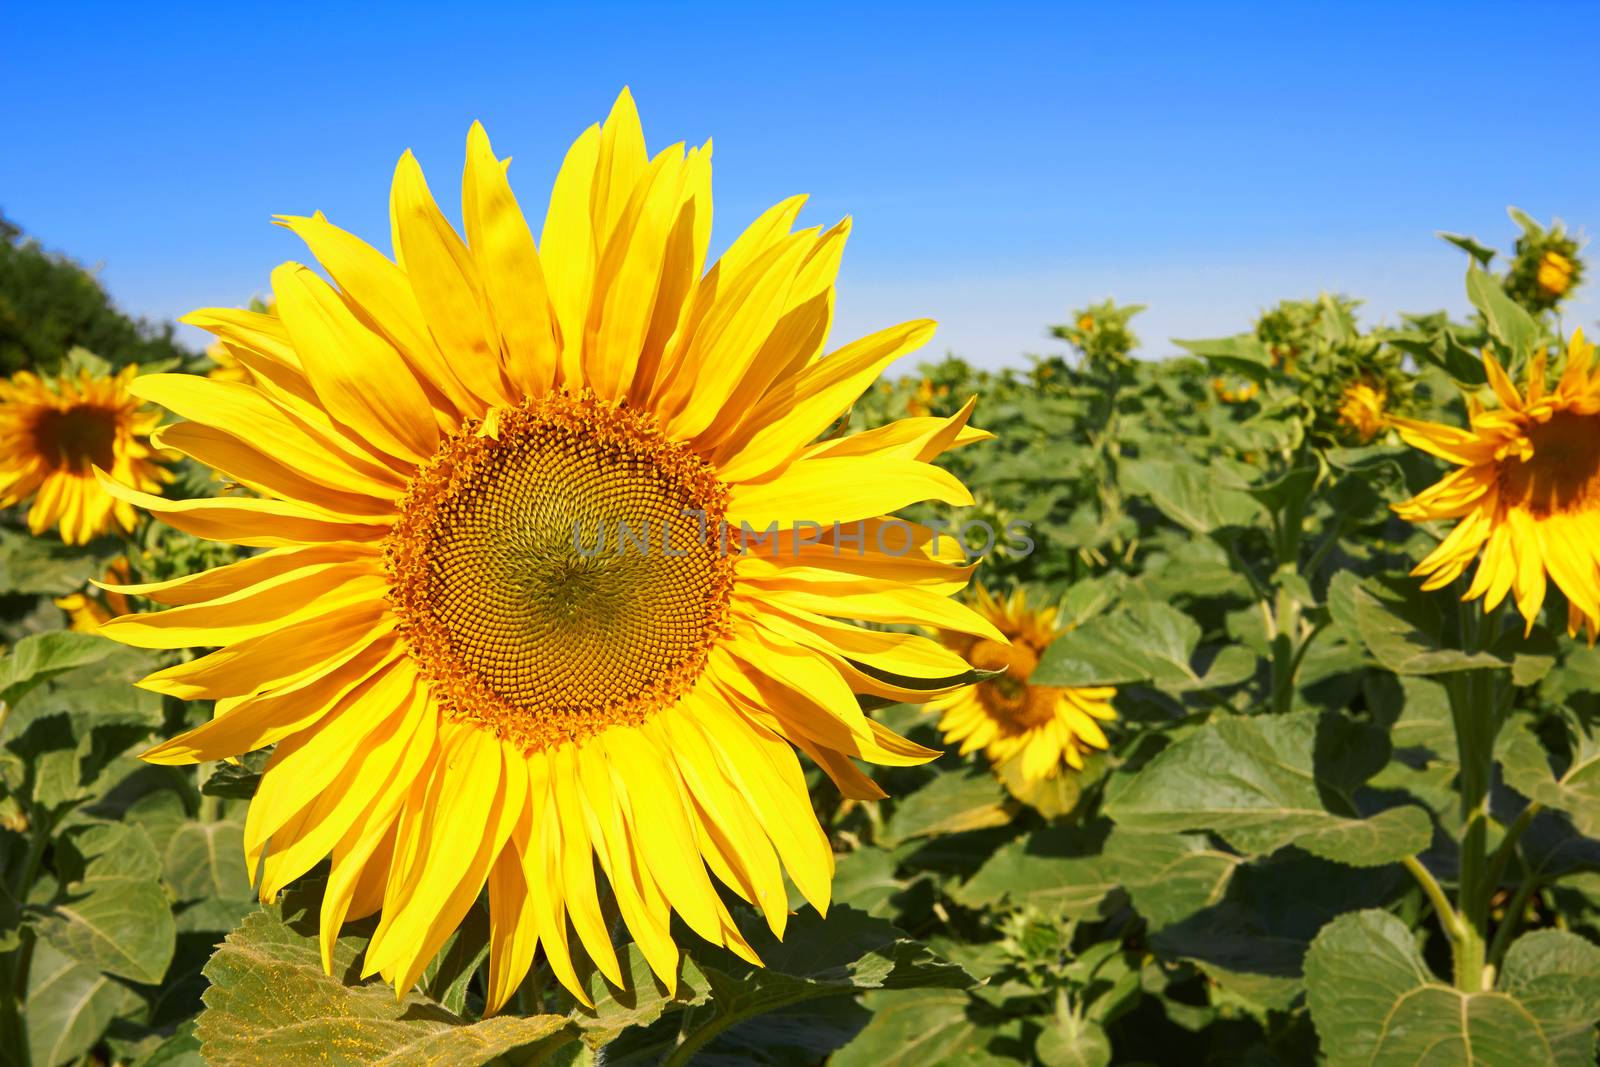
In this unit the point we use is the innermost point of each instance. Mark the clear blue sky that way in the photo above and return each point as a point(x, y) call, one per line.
point(1003, 162)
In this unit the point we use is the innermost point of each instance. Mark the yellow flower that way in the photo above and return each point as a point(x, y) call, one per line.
point(1031, 730)
point(1242, 395)
point(1555, 273)
point(1086, 323)
point(920, 403)
point(86, 611)
point(52, 437)
point(1361, 409)
point(1527, 491)
point(228, 367)
point(504, 625)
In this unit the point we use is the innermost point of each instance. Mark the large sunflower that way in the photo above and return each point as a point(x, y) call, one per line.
point(1527, 491)
point(515, 614)
point(53, 435)
point(1029, 730)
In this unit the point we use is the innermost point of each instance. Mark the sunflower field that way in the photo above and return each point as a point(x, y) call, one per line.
point(542, 644)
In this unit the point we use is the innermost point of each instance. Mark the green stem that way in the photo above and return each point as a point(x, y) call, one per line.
point(1285, 652)
point(1436, 896)
point(1513, 920)
point(1508, 845)
point(1475, 709)
point(15, 963)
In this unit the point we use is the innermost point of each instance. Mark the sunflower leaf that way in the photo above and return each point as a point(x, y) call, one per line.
point(1059, 869)
point(111, 912)
point(39, 657)
point(1404, 628)
point(1264, 783)
point(1509, 322)
point(1575, 791)
point(69, 1006)
point(952, 803)
point(270, 1002)
point(1373, 999)
point(846, 953)
point(1148, 641)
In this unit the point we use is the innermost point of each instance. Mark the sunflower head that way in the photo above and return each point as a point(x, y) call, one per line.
point(87, 609)
point(1545, 267)
point(1362, 409)
point(54, 434)
point(1029, 732)
point(1100, 332)
point(1231, 394)
point(1525, 490)
point(561, 564)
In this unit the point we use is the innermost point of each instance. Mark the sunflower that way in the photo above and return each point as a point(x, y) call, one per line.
point(1361, 409)
point(1554, 274)
point(1527, 491)
point(557, 568)
point(54, 435)
point(1028, 731)
point(1242, 395)
point(86, 611)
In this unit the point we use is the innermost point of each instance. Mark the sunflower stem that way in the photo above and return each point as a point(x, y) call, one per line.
point(1475, 709)
point(1437, 897)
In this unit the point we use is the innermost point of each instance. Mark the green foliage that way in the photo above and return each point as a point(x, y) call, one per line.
point(50, 305)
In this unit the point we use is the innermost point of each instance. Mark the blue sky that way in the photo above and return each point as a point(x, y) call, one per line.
point(1003, 163)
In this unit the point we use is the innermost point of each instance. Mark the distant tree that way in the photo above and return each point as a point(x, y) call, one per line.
point(50, 304)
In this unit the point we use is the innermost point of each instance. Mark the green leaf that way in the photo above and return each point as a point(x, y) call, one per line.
point(640, 1000)
point(206, 860)
point(865, 879)
point(112, 913)
point(1242, 354)
point(1480, 252)
point(237, 781)
point(1264, 783)
point(1556, 976)
point(1073, 1041)
point(928, 1028)
point(1574, 791)
point(1373, 1000)
point(1189, 495)
point(1148, 641)
point(68, 1006)
point(447, 975)
point(182, 1049)
point(1404, 629)
point(1169, 876)
point(1058, 869)
point(33, 566)
point(39, 657)
point(1255, 938)
point(847, 953)
point(955, 801)
point(270, 1002)
point(1509, 322)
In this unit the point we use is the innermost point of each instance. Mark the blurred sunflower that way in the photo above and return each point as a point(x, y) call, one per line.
point(464, 685)
point(1554, 274)
point(922, 400)
point(86, 610)
point(1527, 491)
point(1242, 395)
point(1030, 730)
point(52, 437)
point(1361, 409)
